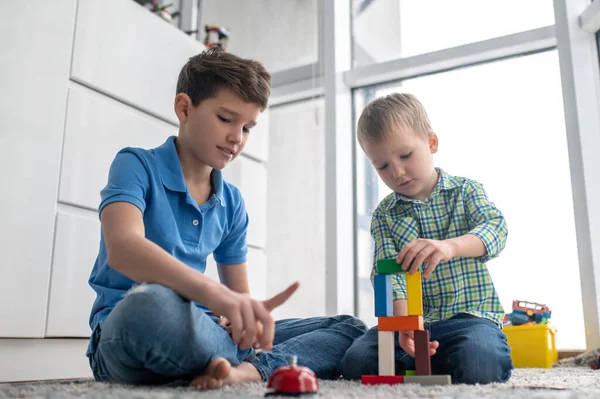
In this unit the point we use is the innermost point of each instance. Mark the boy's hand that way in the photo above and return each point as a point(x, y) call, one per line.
point(223, 322)
point(250, 321)
point(423, 250)
point(407, 342)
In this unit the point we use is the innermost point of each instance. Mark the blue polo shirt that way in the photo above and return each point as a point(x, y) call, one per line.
point(153, 181)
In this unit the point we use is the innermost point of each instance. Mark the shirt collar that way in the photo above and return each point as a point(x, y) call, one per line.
point(445, 182)
point(171, 173)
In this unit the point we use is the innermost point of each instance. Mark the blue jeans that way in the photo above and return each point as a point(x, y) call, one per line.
point(472, 350)
point(155, 336)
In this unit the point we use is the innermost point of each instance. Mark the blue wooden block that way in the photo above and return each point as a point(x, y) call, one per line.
point(383, 295)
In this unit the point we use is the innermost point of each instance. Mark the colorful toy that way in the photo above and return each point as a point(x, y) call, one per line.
point(292, 380)
point(388, 324)
point(524, 312)
point(216, 36)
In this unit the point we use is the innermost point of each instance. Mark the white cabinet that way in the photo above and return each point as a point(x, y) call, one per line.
point(250, 177)
point(124, 51)
point(76, 244)
point(34, 72)
point(97, 128)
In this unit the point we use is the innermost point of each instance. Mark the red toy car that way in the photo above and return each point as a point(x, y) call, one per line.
point(292, 380)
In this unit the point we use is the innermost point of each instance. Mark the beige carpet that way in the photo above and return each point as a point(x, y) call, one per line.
point(563, 382)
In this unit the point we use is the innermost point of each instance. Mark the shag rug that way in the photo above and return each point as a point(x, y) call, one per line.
point(570, 378)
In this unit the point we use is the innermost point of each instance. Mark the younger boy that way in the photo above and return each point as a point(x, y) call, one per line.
point(446, 224)
point(163, 211)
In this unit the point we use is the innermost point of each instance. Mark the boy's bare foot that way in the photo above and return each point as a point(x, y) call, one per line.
point(220, 372)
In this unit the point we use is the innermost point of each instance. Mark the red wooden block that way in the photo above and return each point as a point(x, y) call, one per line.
point(382, 379)
point(400, 323)
point(422, 358)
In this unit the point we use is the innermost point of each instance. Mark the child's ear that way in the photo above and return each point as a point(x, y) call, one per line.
point(433, 143)
point(182, 106)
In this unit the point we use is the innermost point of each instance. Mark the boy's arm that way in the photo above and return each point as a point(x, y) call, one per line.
point(130, 253)
point(488, 230)
point(231, 253)
point(468, 245)
point(235, 277)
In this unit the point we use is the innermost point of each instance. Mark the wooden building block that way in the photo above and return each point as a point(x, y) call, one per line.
point(383, 295)
point(382, 379)
point(386, 351)
point(414, 291)
point(428, 379)
point(422, 358)
point(400, 323)
point(388, 266)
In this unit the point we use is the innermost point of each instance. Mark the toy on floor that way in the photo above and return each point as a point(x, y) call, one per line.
point(524, 312)
point(292, 380)
point(595, 365)
point(388, 324)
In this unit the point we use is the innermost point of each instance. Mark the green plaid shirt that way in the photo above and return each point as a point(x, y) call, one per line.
point(456, 206)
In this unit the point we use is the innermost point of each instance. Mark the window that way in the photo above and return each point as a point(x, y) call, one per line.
point(389, 29)
point(502, 124)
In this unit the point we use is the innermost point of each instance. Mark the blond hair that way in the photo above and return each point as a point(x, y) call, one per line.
point(382, 116)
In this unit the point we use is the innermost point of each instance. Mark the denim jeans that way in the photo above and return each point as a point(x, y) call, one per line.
point(155, 336)
point(472, 350)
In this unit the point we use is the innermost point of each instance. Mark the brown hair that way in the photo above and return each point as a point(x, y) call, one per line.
point(382, 116)
point(214, 69)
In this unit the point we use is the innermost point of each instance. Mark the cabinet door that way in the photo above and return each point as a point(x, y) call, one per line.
point(127, 52)
point(35, 57)
point(97, 128)
point(76, 244)
point(250, 177)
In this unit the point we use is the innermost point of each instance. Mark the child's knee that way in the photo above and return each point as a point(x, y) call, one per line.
point(483, 364)
point(351, 365)
point(140, 310)
point(361, 358)
point(356, 324)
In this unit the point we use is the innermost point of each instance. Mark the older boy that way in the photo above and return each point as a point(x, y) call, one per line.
point(163, 211)
point(446, 224)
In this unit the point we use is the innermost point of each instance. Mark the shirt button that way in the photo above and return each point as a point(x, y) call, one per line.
point(195, 222)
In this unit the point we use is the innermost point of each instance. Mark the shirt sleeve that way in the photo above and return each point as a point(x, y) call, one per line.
point(485, 221)
point(385, 248)
point(128, 181)
point(233, 249)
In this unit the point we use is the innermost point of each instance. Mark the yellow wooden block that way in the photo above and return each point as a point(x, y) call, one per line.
point(414, 290)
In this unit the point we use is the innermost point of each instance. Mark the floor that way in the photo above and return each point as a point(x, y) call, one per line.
point(560, 382)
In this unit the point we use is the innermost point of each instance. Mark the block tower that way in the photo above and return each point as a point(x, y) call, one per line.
point(388, 324)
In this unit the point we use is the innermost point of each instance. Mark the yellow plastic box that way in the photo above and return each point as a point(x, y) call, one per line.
point(532, 345)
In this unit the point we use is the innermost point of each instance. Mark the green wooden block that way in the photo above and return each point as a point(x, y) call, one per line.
point(410, 372)
point(388, 266)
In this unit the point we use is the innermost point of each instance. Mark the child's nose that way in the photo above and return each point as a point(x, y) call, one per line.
point(236, 136)
point(398, 172)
